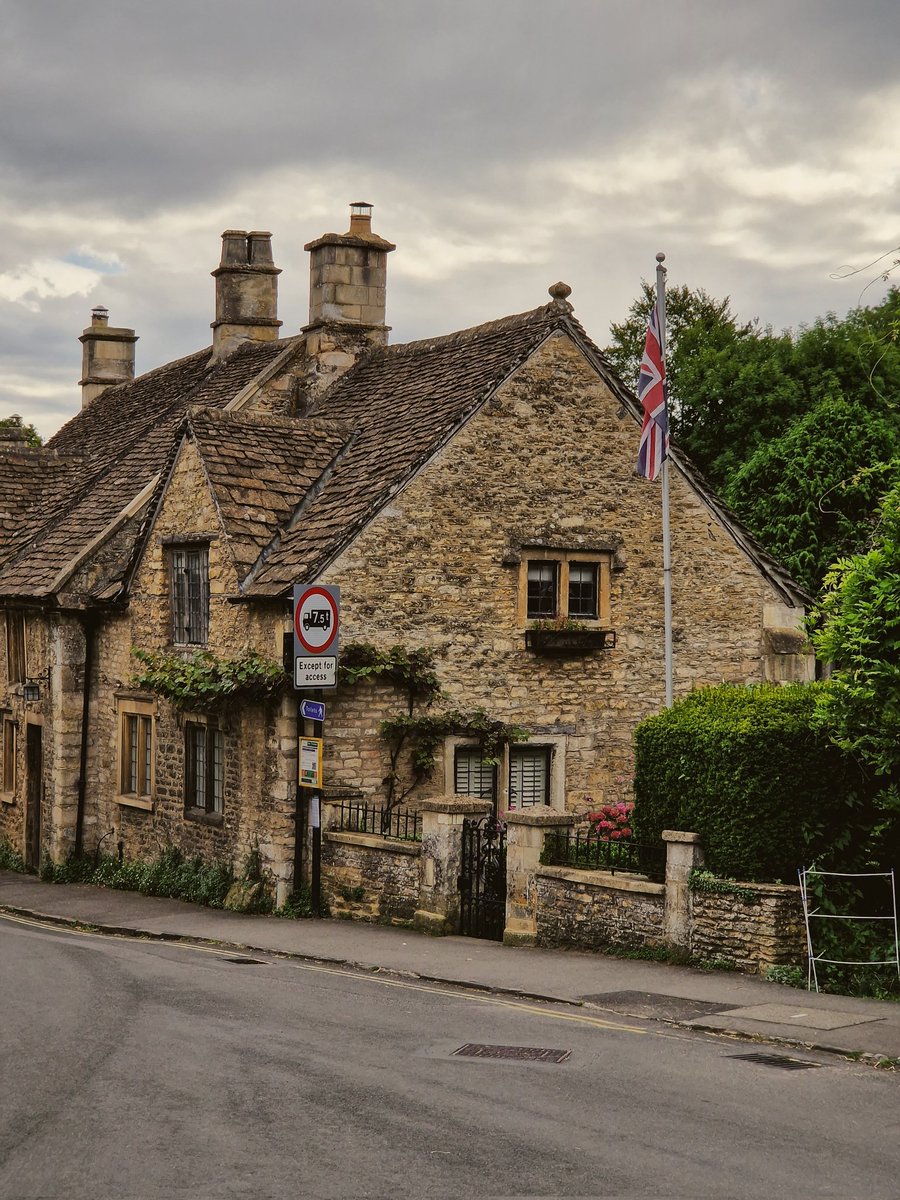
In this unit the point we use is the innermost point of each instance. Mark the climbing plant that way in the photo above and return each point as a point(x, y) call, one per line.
point(205, 682)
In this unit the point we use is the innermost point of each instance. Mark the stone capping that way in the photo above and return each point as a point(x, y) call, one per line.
point(618, 883)
point(539, 814)
point(456, 804)
point(675, 835)
point(371, 841)
point(764, 889)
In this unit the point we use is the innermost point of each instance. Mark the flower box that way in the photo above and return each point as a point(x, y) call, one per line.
point(569, 642)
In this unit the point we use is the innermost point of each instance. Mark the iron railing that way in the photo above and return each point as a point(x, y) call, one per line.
point(360, 817)
point(590, 851)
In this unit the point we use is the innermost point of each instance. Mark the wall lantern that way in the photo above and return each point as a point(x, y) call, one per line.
point(31, 692)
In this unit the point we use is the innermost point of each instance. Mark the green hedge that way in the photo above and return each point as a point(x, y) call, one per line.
point(745, 768)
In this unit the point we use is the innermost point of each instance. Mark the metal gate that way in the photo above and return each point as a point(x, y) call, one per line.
point(482, 881)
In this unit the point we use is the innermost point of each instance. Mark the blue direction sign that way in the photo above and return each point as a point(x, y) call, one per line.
point(313, 710)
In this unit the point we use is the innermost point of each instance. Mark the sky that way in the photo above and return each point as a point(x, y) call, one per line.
point(505, 145)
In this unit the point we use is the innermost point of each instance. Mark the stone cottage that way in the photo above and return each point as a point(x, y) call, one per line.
point(473, 494)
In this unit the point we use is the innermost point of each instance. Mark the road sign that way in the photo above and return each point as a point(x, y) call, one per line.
point(310, 772)
point(313, 710)
point(315, 672)
point(316, 635)
point(316, 619)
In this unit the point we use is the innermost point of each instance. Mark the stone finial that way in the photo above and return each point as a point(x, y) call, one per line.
point(561, 293)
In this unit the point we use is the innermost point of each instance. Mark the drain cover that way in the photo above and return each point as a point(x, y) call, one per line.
point(777, 1060)
point(248, 962)
point(520, 1053)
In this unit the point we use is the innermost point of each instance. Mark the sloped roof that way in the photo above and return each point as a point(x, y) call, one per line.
point(110, 452)
point(292, 492)
point(406, 402)
point(261, 469)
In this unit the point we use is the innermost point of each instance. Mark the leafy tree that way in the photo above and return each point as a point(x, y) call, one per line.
point(810, 495)
point(32, 437)
point(857, 630)
point(729, 384)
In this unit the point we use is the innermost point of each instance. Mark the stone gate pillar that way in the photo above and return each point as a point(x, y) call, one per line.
point(524, 843)
point(683, 854)
point(439, 863)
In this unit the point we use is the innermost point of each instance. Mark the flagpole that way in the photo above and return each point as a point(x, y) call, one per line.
point(667, 544)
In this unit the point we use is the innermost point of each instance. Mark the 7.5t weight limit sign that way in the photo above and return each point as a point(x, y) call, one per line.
point(316, 635)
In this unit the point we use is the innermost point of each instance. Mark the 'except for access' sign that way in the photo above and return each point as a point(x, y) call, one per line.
point(316, 635)
point(315, 673)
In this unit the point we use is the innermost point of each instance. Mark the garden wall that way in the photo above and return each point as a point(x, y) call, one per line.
point(370, 878)
point(760, 928)
point(594, 909)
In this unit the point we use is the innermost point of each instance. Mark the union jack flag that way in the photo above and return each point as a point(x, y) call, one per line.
point(652, 393)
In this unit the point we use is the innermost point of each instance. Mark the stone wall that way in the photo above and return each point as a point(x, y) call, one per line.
point(370, 878)
point(595, 910)
point(753, 935)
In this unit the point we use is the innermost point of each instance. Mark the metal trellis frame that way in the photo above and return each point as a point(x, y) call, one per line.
point(817, 915)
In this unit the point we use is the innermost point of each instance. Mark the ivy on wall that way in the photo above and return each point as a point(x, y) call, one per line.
point(204, 682)
point(414, 672)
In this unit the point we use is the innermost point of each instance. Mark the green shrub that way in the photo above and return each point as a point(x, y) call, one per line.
point(10, 859)
point(748, 769)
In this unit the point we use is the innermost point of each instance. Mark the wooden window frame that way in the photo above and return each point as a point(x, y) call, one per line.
point(564, 560)
point(211, 805)
point(189, 627)
point(9, 748)
point(143, 714)
point(16, 654)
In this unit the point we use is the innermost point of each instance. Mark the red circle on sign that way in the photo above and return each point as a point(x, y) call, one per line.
point(332, 607)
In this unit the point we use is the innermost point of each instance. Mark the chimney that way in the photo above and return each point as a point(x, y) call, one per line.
point(246, 292)
point(347, 277)
point(107, 357)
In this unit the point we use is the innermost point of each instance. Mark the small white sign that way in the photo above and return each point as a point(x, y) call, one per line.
point(320, 672)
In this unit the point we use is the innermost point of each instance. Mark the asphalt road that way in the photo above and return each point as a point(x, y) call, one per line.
point(139, 1069)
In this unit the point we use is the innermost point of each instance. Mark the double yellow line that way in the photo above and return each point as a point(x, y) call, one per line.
point(458, 993)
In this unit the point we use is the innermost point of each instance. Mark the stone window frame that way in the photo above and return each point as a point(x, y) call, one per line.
point(554, 743)
point(562, 560)
point(9, 748)
point(144, 708)
point(214, 731)
point(16, 643)
point(180, 605)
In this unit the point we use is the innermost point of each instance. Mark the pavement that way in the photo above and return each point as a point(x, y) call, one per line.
point(724, 1002)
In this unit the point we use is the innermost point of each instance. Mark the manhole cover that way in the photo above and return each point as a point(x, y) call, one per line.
point(659, 1008)
point(776, 1060)
point(520, 1053)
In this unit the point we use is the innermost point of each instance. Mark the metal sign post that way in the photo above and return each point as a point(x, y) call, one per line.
point(316, 639)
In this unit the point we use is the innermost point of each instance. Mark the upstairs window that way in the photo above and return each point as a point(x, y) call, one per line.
point(543, 589)
point(583, 591)
point(565, 585)
point(15, 646)
point(189, 567)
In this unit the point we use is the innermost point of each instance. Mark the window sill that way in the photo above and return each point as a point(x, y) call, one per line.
point(201, 817)
point(144, 802)
point(7, 797)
